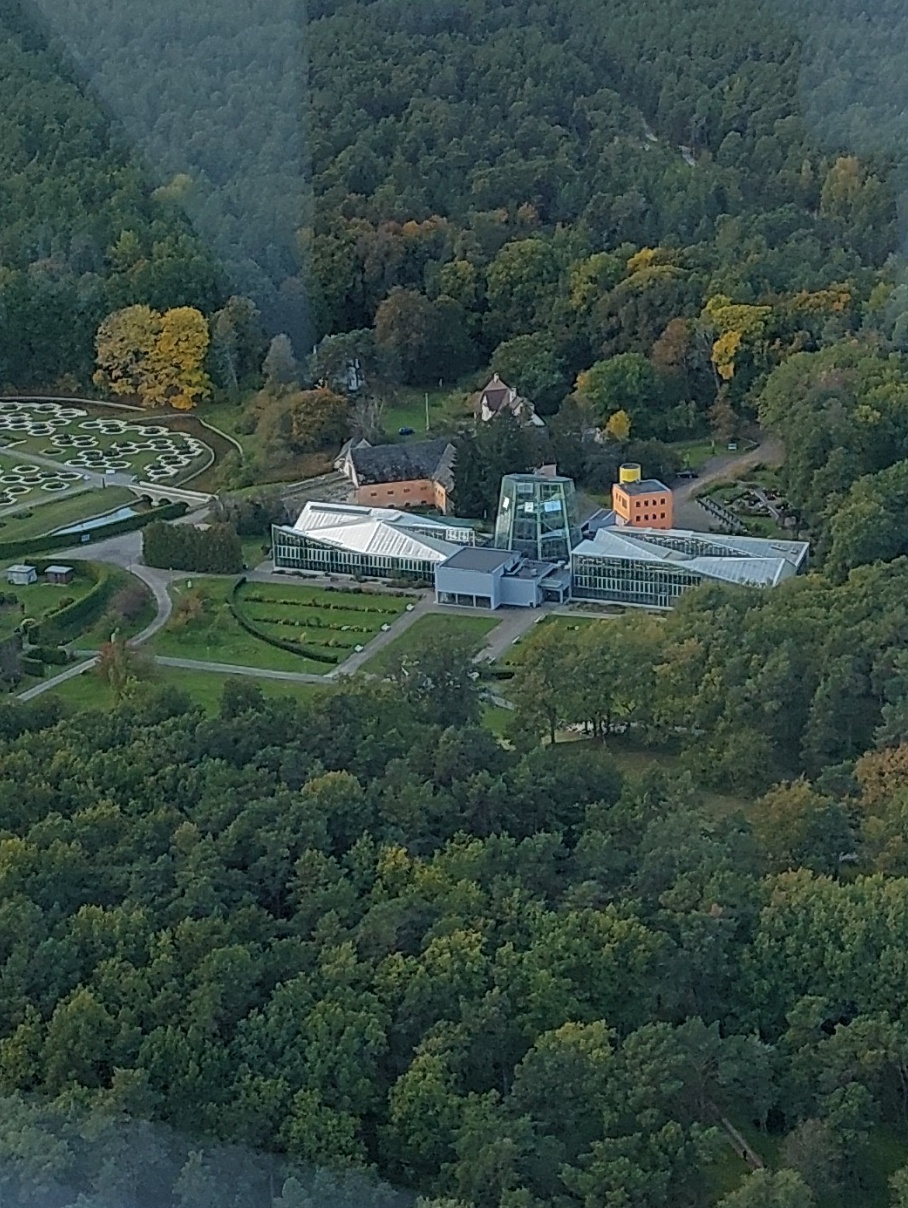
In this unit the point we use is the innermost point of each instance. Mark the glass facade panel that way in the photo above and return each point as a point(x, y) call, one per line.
point(295, 551)
point(628, 581)
point(537, 516)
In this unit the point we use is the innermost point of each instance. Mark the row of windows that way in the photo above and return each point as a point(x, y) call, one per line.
point(300, 553)
point(464, 601)
point(646, 516)
point(629, 582)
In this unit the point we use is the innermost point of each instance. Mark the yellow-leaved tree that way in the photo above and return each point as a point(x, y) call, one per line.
point(735, 325)
point(158, 357)
point(124, 344)
point(618, 426)
point(177, 361)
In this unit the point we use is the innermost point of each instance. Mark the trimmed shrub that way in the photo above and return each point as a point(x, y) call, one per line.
point(68, 619)
point(32, 666)
point(215, 551)
point(54, 655)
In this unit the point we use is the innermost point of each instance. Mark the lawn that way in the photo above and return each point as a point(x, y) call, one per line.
point(332, 622)
point(447, 408)
point(86, 691)
point(694, 453)
point(45, 515)
point(254, 550)
point(435, 626)
point(37, 599)
point(496, 719)
point(203, 627)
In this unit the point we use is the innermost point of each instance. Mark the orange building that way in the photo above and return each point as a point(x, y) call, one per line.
point(401, 476)
point(641, 502)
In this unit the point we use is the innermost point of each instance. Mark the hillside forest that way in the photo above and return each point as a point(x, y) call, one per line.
point(358, 950)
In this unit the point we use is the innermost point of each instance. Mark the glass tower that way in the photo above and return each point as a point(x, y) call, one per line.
point(537, 516)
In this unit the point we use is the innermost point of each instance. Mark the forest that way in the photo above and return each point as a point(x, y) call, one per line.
point(364, 935)
point(452, 179)
point(357, 950)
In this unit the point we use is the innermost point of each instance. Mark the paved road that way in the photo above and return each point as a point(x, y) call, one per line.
point(513, 625)
point(292, 677)
point(688, 514)
point(381, 640)
point(125, 551)
point(68, 674)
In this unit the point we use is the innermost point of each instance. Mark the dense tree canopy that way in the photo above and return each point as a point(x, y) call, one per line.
point(361, 936)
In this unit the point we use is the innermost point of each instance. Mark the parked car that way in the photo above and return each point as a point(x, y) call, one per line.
point(688, 474)
point(405, 431)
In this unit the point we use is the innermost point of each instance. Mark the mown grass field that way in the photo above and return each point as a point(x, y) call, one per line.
point(203, 627)
point(433, 626)
point(87, 691)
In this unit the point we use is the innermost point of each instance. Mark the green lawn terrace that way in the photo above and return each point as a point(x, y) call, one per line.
point(100, 444)
point(205, 688)
point(34, 515)
point(331, 624)
point(318, 628)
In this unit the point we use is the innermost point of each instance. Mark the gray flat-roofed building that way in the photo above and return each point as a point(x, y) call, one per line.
point(482, 577)
point(481, 558)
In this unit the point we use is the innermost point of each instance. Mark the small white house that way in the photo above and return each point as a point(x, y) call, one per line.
point(21, 575)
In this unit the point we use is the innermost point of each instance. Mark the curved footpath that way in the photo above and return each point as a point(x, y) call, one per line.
point(123, 551)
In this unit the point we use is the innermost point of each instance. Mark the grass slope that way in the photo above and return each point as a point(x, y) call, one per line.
point(38, 518)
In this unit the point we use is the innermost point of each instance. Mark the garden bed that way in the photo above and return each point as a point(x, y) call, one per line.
point(323, 624)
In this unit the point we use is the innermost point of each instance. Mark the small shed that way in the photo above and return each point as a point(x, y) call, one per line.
point(59, 574)
point(21, 575)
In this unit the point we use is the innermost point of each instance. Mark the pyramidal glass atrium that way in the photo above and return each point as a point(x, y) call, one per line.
point(537, 516)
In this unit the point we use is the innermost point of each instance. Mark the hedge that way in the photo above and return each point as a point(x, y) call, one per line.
point(71, 617)
point(68, 619)
point(52, 541)
point(55, 655)
point(317, 656)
